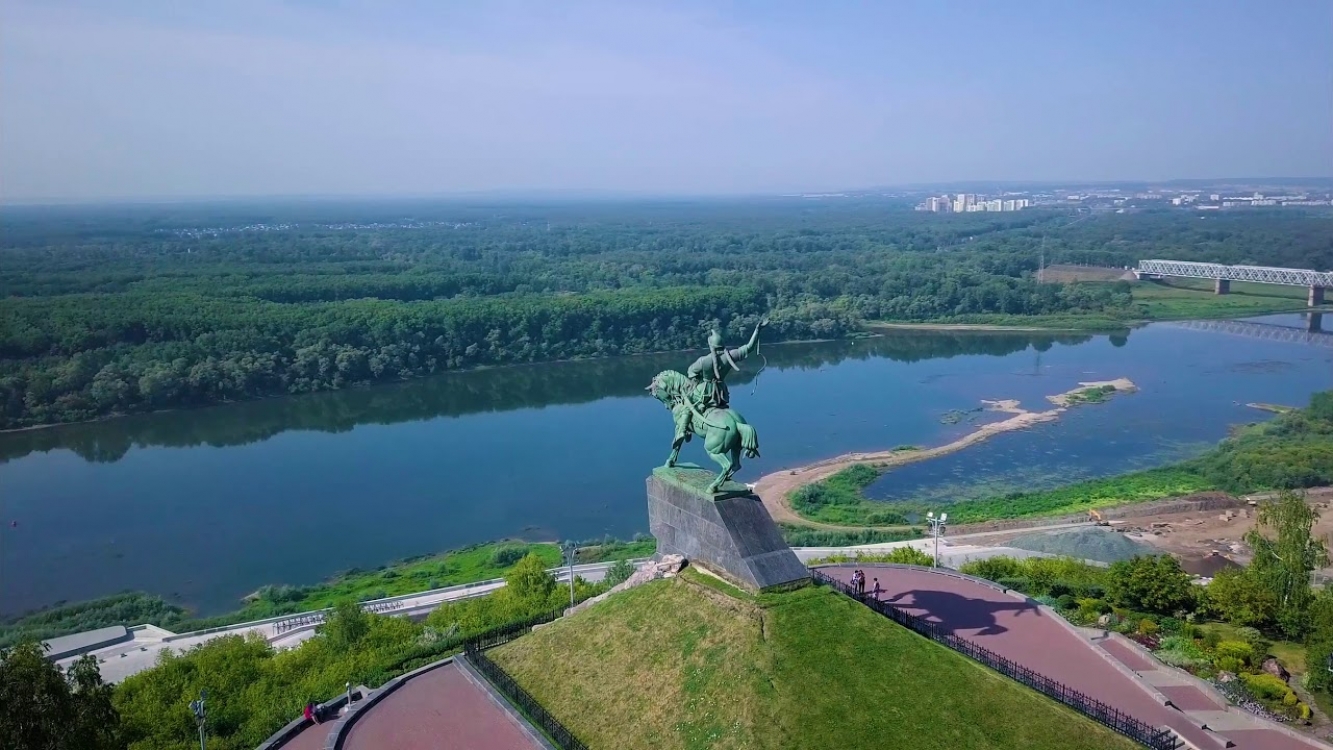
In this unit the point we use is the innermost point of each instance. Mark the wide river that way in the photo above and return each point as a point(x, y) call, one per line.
point(205, 506)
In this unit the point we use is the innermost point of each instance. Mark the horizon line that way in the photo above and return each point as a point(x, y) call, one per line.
point(611, 194)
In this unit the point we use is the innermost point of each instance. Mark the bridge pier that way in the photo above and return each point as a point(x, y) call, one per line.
point(1316, 296)
point(1222, 286)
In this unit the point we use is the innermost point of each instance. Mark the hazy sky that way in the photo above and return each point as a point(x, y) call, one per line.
point(106, 99)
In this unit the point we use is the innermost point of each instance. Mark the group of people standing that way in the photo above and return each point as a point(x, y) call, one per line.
point(859, 583)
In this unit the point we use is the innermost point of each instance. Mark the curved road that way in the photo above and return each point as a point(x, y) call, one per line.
point(1020, 631)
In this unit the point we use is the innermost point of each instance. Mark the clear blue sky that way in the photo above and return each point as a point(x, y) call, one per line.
point(105, 99)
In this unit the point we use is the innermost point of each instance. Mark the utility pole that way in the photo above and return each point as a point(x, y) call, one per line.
point(200, 715)
point(569, 548)
point(937, 527)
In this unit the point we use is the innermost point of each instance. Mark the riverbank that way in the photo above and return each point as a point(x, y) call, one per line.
point(775, 489)
point(423, 573)
point(1151, 302)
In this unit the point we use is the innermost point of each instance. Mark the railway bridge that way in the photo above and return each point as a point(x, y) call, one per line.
point(1318, 282)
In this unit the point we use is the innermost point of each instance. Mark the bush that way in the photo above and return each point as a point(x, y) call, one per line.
point(1147, 627)
point(1211, 638)
point(1149, 583)
point(1258, 644)
point(1066, 602)
point(1238, 650)
point(1266, 687)
point(503, 557)
point(1017, 584)
point(993, 568)
point(618, 573)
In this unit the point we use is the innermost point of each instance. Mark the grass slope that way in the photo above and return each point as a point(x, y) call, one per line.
point(671, 665)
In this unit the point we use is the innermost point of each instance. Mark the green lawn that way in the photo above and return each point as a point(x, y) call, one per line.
point(674, 665)
point(1179, 299)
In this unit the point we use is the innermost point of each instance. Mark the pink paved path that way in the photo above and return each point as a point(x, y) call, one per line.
point(1019, 631)
point(312, 737)
point(439, 709)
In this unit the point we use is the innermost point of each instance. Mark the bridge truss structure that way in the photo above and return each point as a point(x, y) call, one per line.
point(1257, 274)
point(1259, 331)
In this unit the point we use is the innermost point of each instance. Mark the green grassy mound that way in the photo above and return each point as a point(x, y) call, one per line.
point(674, 665)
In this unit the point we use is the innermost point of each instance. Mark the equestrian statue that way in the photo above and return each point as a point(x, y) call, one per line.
point(701, 404)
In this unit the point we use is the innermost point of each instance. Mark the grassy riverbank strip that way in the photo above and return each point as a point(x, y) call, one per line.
point(1152, 301)
point(480, 562)
point(1294, 450)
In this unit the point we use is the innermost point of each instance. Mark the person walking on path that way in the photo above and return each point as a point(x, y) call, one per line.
point(877, 588)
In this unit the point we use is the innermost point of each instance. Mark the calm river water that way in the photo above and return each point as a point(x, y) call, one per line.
point(205, 506)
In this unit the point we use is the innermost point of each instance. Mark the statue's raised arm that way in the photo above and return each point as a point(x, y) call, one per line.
point(742, 352)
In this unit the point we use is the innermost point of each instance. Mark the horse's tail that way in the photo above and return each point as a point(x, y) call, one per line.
point(749, 440)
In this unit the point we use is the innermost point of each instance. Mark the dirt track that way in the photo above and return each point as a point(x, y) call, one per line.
point(774, 488)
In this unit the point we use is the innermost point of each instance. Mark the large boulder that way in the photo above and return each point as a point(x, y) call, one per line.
point(1275, 668)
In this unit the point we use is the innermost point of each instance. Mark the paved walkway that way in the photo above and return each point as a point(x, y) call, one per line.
point(312, 737)
point(1020, 631)
point(441, 708)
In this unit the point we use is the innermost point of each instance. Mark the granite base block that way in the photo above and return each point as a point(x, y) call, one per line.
point(730, 533)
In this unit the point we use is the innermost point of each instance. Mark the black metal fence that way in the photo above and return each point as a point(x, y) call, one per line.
point(1109, 716)
point(476, 648)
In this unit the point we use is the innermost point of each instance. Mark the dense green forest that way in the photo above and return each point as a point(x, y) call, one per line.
point(114, 311)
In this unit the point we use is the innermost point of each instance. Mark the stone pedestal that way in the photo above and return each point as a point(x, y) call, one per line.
point(730, 533)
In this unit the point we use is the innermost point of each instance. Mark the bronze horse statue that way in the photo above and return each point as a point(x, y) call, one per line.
point(725, 432)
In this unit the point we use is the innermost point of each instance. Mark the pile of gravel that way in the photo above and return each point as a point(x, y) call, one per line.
point(1089, 543)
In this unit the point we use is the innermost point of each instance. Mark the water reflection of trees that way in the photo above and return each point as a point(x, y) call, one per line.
point(459, 394)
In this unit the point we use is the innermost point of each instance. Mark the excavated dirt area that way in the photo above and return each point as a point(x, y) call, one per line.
point(1195, 534)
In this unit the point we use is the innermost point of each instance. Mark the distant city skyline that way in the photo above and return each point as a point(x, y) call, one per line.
point(137, 100)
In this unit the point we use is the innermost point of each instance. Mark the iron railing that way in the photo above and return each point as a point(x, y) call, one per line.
point(475, 649)
point(1113, 718)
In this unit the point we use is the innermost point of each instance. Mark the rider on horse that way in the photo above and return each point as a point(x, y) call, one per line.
point(708, 379)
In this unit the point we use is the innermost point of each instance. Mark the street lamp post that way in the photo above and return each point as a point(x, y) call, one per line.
point(349, 695)
point(200, 715)
point(569, 548)
point(937, 528)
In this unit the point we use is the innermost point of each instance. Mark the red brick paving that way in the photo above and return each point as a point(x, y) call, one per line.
point(1019, 631)
point(1128, 656)
point(312, 737)
point(1188, 698)
point(1267, 739)
point(439, 709)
